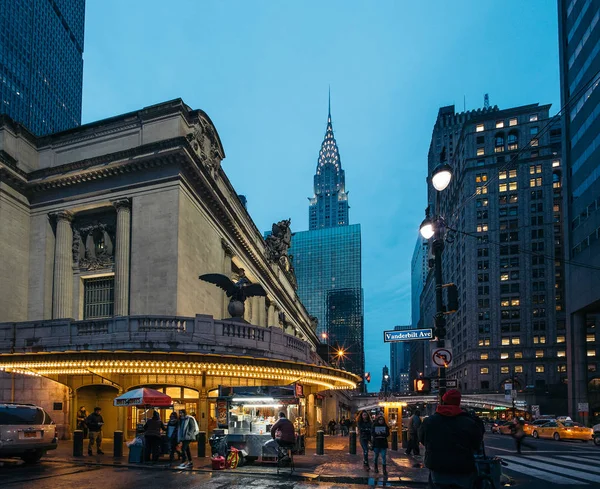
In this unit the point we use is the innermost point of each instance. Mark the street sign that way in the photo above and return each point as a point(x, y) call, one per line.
point(435, 384)
point(407, 335)
point(442, 357)
point(508, 392)
point(583, 407)
point(535, 410)
point(451, 383)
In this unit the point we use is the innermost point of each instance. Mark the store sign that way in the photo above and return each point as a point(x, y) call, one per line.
point(222, 412)
point(583, 407)
point(299, 390)
point(407, 335)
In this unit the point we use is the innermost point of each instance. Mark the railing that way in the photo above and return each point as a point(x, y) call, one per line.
point(246, 331)
point(153, 324)
point(92, 327)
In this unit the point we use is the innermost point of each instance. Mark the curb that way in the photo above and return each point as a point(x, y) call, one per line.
point(302, 476)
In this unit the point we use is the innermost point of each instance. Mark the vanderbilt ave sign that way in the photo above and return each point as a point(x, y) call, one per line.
point(407, 335)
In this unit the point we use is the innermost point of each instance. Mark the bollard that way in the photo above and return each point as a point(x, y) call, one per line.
point(78, 443)
point(320, 442)
point(201, 439)
point(118, 444)
point(395, 440)
point(352, 443)
point(405, 439)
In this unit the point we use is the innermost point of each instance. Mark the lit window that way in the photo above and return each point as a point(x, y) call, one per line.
point(512, 122)
point(479, 128)
point(534, 142)
point(480, 151)
point(504, 370)
point(539, 354)
point(481, 190)
point(518, 369)
point(499, 124)
point(535, 182)
point(502, 175)
point(503, 187)
point(504, 303)
point(556, 164)
point(590, 338)
point(505, 341)
point(560, 339)
point(481, 177)
point(512, 186)
point(561, 353)
point(503, 356)
point(515, 302)
point(533, 169)
point(542, 339)
point(516, 341)
point(518, 354)
point(482, 228)
point(483, 356)
point(533, 117)
point(539, 369)
point(561, 368)
point(591, 353)
point(484, 370)
point(503, 277)
point(512, 173)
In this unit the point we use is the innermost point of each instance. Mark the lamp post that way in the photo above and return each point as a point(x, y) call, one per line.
point(435, 227)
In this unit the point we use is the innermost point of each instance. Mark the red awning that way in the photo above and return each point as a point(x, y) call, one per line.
point(144, 397)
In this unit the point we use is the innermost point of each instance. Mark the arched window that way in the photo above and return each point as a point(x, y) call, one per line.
point(513, 140)
point(499, 142)
point(556, 180)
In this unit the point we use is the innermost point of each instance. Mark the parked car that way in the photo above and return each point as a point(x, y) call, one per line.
point(596, 429)
point(529, 427)
point(26, 431)
point(566, 430)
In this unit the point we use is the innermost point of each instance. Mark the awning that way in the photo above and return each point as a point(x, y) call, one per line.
point(143, 397)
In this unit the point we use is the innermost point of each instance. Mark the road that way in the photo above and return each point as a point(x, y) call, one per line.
point(553, 465)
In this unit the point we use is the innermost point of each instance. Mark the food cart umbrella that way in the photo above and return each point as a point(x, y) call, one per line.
point(144, 397)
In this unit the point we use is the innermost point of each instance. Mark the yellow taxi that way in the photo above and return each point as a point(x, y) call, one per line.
point(563, 430)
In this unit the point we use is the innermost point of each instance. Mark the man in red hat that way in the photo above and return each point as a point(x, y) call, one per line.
point(451, 438)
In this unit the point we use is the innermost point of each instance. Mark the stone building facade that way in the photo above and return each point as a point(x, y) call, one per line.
point(104, 230)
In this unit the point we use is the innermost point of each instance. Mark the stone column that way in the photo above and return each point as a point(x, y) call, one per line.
point(577, 366)
point(62, 295)
point(227, 256)
point(269, 312)
point(122, 257)
point(261, 316)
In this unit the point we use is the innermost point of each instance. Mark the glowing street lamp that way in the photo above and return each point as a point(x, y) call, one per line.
point(441, 177)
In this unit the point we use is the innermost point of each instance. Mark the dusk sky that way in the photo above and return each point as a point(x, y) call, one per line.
point(261, 71)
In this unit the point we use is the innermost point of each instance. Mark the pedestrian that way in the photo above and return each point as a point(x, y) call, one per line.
point(81, 425)
point(331, 426)
point(188, 429)
point(94, 423)
point(348, 425)
point(518, 433)
point(283, 435)
point(343, 426)
point(380, 433)
point(451, 438)
point(414, 423)
point(152, 432)
point(172, 429)
point(365, 427)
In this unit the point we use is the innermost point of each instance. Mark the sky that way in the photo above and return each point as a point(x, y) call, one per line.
point(261, 70)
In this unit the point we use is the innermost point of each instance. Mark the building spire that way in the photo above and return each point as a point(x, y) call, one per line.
point(329, 112)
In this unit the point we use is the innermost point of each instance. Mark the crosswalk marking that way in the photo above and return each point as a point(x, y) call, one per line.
point(518, 465)
point(546, 476)
point(567, 463)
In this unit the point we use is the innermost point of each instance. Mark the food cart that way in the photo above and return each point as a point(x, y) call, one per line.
point(246, 414)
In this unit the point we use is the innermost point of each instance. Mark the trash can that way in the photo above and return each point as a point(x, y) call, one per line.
point(136, 454)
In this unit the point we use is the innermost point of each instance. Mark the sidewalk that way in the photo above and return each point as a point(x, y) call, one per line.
point(336, 465)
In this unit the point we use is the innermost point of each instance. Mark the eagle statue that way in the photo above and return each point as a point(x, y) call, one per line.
point(238, 291)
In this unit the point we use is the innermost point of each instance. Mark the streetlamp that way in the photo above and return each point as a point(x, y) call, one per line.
point(435, 227)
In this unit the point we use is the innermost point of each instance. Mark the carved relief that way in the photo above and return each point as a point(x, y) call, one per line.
point(93, 245)
point(278, 244)
point(204, 141)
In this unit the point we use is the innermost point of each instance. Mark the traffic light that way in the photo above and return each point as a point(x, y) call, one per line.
point(452, 303)
point(422, 385)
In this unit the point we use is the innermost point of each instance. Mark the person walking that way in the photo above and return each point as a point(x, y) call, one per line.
point(518, 433)
point(380, 432)
point(186, 434)
point(414, 423)
point(331, 426)
point(152, 432)
point(94, 423)
point(365, 427)
point(81, 425)
point(451, 438)
point(172, 429)
point(343, 426)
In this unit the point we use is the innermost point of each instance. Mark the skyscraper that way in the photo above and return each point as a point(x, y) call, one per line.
point(400, 363)
point(41, 63)
point(579, 41)
point(327, 262)
point(505, 204)
point(329, 206)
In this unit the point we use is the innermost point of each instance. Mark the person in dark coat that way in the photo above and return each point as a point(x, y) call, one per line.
point(414, 423)
point(81, 425)
point(380, 433)
point(365, 428)
point(152, 431)
point(331, 426)
point(451, 438)
point(94, 423)
point(172, 429)
point(283, 434)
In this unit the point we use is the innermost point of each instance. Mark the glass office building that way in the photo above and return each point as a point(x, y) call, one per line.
point(328, 268)
point(41, 63)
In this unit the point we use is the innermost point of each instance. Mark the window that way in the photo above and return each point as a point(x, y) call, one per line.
point(591, 353)
point(480, 151)
point(539, 369)
point(534, 130)
point(482, 202)
point(533, 169)
point(504, 369)
point(479, 128)
point(561, 353)
point(534, 142)
point(516, 340)
point(481, 177)
point(484, 370)
point(512, 122)
point(499, 143)
point(499, 124)
point(556, 164)
point(535, 182)
point(512, 141)
point(504, 277)
point(480, 140)
point(533, 118)
point(484, 342)
point(505, 341)
point(518, 369)
point(483, 356)
point(482, 252)
point(503, 356)
point(482, 228)
point(512, 186)
point(539, 354)
point(561, 338)
point(98, 297)
point(481, 190)
point(503, 187)
point(518, 354)
point(539, 339)
point(561, 368)
point(590, 338)
point(512, 173)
